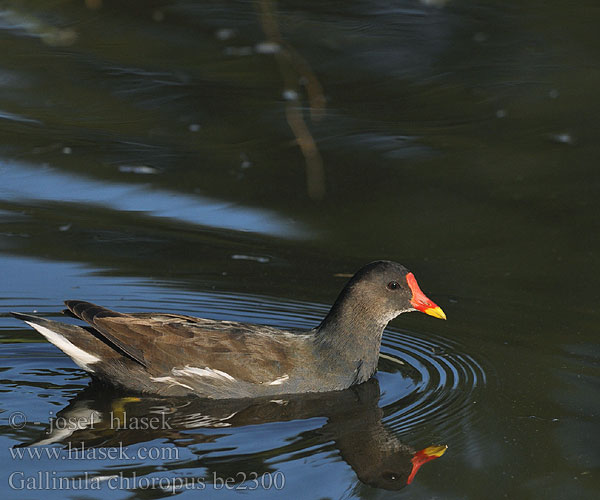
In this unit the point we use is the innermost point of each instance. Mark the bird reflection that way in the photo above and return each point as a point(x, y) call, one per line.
point(102, 416)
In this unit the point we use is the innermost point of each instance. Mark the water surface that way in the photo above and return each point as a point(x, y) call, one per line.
point(237, 159)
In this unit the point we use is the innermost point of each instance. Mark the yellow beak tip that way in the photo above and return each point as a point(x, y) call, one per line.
point(436, 312)
point(435, 451)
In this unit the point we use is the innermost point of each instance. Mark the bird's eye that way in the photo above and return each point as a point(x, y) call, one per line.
point(393, 285)
point(389, 475)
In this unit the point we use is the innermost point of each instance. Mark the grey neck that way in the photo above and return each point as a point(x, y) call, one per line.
point(350, 338)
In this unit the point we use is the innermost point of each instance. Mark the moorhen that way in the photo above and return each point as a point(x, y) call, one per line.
point(172, 354)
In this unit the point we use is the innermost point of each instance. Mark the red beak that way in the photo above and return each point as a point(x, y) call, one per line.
point(424, 456)
point(420, 301)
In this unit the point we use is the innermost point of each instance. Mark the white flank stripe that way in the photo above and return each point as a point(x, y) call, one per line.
point(279, 380)
point(192, 371)
point(82, 358)
point(170, 380)
point(201, 420)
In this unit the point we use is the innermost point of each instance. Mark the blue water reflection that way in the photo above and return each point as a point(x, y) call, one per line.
point(27, 182)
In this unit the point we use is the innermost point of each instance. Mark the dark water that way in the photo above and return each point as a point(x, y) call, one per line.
point(232, 159)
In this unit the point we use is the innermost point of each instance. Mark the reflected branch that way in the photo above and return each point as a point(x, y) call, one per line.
point(295, 69)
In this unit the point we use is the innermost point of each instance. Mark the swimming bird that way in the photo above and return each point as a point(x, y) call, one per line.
point(178, 355)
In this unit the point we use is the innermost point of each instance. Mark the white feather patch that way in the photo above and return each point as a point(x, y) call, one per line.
point(170, 380)
point(280, 380)
point(81, 358)
point(192, 371)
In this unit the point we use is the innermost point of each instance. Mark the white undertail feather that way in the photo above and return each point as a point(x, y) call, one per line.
point(81, 358)
point(78, 419)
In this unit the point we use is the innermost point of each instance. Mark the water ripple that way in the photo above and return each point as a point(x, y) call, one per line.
point(444, 382)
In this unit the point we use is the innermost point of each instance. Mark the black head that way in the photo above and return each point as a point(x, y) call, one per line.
point(384, 289)
point(395, 468)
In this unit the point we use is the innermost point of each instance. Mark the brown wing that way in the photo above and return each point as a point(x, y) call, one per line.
point(160, 342)
point(91, 313)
